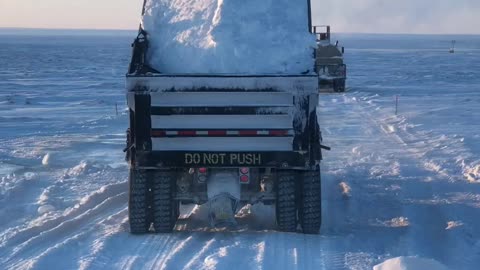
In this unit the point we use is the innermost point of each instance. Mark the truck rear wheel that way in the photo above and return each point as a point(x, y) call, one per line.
point(165, 209)
point(286, 210)
point(339, 85)
point(138, 208)
point(310, 210)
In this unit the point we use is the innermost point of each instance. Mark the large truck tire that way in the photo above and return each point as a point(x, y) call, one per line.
point(310, 208)
point(138, 208)
point(165, 209)
point(286, 209)
point(339, 85)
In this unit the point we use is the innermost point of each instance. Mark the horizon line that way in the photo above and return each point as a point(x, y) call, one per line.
point(133, 29)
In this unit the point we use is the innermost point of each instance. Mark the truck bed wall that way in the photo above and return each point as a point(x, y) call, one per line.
point(233, 103)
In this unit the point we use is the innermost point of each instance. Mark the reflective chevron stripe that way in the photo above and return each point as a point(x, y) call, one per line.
point(157, 133)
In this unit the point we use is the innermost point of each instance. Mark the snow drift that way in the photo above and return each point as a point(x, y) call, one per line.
point(410, 263)
point(229, 36)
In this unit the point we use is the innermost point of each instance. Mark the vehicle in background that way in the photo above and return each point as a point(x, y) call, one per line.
point(329, 65)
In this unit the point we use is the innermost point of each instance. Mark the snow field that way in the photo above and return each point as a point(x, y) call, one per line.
point(399, 190)
point(384, 215)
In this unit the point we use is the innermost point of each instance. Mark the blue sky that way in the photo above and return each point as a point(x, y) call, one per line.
point(370, 16)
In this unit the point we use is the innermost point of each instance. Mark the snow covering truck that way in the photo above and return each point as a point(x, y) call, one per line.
point(223, 140)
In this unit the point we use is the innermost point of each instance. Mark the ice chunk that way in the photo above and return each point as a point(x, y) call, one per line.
point(345, 189)
point(83, 168)
point(410, 263)
point(229, 36)
point(46, 159)
point(46, 209)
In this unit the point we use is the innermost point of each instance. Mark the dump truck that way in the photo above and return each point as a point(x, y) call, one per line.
point(223, 141)
point(329, 63)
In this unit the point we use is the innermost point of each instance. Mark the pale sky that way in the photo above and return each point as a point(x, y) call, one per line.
point(367, 16)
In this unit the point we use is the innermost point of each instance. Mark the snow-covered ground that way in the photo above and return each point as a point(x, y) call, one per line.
point(404, 187)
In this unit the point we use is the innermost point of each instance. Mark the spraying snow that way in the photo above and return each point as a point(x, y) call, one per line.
point(228, 36)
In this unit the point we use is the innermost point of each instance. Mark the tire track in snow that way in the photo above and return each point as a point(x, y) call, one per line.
point(141, 251)
point(62, 233)
point(162, 251)
point(111, 226)
point(260, 248)
point(170, 258)
point(278, 251)
point(230, 249)
point(134, 250)
point(33, 262)
point(385, 202)
point(344, 215)
point(443, 154)
point(188, 252)
point(179, 250)
point(428, 221)
point(246, 249)
point(195, 260)
point(29, 241)
point(23, 233)
point(297, 252)
point(70, 247)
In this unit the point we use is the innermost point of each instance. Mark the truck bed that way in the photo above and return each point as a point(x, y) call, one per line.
point(181, 116)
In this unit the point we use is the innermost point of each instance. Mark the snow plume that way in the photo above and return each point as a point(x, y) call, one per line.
point(229, 36)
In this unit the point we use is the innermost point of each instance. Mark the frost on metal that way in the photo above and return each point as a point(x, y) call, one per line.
point(233, 83)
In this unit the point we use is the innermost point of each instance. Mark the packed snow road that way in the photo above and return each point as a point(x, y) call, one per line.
point(380, 200)
point(393, 185)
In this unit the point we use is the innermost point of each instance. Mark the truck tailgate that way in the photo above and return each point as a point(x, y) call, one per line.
point(223, 114)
